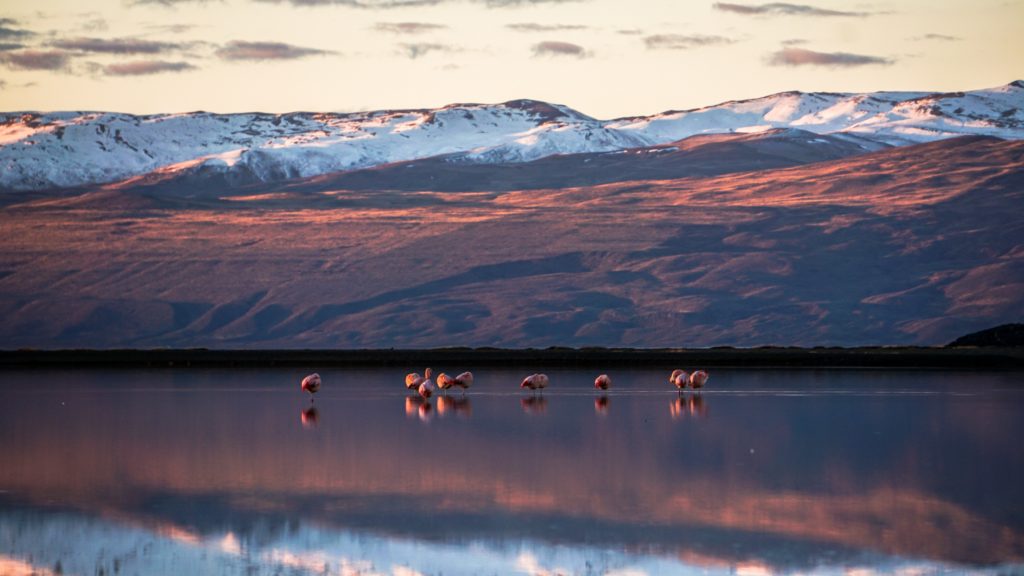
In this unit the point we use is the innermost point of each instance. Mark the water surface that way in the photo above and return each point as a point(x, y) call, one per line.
point(766, 471)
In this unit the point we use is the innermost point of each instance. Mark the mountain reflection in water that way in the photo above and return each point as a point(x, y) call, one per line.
point(211, 472)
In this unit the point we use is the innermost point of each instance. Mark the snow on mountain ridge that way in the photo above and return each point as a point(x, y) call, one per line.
point(66, 149)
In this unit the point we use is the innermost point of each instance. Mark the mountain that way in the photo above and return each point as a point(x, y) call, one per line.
point(913, 244)
point(40, 151)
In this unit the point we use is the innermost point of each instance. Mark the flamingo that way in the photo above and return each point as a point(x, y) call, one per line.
point(464, 380)
point(698, 379)
point(444, 382)
point(413, 380)
point(535, 382)
point(426, 387)
point(679, 378)
point(311, 384)
point(602, 382)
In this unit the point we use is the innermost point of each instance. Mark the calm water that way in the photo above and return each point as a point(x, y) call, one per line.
point(230, 471)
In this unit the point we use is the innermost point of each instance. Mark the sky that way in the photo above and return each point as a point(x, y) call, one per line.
point(605, 58)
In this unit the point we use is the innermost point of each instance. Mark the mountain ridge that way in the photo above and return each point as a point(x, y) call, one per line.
point(40, 151)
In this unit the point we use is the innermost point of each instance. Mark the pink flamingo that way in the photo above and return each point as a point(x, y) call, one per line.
point(535, 382)
point(464, 380)
point(698, 379)
point(311, 384)
point(602, 382)
point(444, 382)
point(413, 380)
point(679, 379)
point(427, 387)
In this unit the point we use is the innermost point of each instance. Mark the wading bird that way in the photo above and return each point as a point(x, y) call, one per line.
point(464, 380)
point(698, 379)
point(426, 388)
point(602, 382)
point(679, 379)
point(535, 382)
point(413, 380)
point(311, 384)
point(444, 382)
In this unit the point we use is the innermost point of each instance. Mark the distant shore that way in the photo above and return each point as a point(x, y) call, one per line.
point(819, 357)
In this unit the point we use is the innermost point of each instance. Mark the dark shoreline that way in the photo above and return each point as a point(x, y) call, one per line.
point(864, 357)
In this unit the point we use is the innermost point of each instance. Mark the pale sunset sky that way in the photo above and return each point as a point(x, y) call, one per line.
point(605, 58)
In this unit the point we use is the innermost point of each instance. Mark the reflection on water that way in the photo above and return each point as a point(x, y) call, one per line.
point(310, 417)
point(207, 472)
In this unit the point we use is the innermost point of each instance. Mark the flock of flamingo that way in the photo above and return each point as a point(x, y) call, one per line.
point(425, 386)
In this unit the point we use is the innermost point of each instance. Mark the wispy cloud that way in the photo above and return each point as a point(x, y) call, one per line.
point(408, 27)
point(146, 67)
point(5, 46)
point(368, 4)
point(115, 45)
point(784, 9)
point(556, 48)
point(389, 4)
point(54, 60)
point(803, 57)
point(630, 32)
point(168, 3)
point(537, 27)
point(238, 50)
point(794, 42)
point(171, 28)
point(416, 50)
point(8, 30)
point(683, 41)
point(939, 37)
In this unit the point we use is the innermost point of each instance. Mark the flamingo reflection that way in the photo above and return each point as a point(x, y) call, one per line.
point(419, 407)
point(601, 405)
point(692, 406)
point(457, 406)
point(310, 417)
point(534, 404)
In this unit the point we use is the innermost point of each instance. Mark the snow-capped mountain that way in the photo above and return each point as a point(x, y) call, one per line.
point(66, 149)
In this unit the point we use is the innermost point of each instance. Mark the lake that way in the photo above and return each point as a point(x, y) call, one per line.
point(235, 471)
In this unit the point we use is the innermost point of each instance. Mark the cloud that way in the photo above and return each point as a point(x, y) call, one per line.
point(36, 60)
point(555, 48)
point(794, 42)
point(631, 32)
point(941, 37)
point(802, 57)
point(115, 45)
point(408, 27)
point(3, 84)
point(167, 3)
point(783, 9)
point(683, 42)
point(240, 50)
point(369, 4)
point(415, 50)
point(9, 32)
point(536, 27)
point(388, 4)
point(171, 28)
point(145, 67)
point(5, 46)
